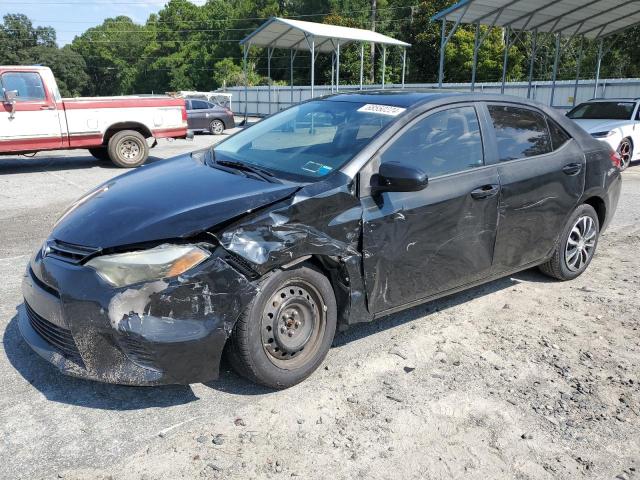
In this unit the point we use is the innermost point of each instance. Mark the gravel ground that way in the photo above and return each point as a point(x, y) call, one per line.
point(520, 378)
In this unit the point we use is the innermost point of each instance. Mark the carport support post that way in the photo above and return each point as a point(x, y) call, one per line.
point(361, 64)
point(313, 65)
point(404, 64)
point(575, 87)
point(291, 72)
point(269, 54)
point(338, 67)
point(532, 60)
point(384, 63)
point(245, 52)
point(555, 70)
point(333, 72)
point(505, 61)
point(598, 66)
point(442, 46)
point(476, 47)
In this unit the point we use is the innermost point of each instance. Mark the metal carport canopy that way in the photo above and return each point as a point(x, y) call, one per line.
point(296, 35)
point(590, 18)
point(292, 35)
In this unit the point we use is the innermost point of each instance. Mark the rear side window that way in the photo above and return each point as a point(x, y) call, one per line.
point(199, 105)
point(27, 85)
point(558, 136)
point(520, 132)
point(444, 142)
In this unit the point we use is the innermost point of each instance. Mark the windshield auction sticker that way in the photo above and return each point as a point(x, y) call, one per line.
point(382, 109)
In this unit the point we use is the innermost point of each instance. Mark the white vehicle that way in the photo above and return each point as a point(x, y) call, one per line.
point(615, 122)
point(33, 117)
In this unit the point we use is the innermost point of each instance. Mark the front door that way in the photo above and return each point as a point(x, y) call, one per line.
point(34, 124)
point(419, 244)
point(542, 174)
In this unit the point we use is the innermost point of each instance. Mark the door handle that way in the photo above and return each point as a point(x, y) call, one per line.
point(572, 169)
point(47, 107)
point(486, 191)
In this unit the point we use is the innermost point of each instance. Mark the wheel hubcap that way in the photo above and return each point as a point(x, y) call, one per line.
point(129, 150)
point(580, 244)
point(217, 127)
point(293, 324)
point(624, 151)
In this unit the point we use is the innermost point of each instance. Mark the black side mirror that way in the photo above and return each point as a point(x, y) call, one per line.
point(398, 177)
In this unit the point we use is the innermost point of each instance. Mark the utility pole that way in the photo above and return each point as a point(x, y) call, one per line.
point(372, 73)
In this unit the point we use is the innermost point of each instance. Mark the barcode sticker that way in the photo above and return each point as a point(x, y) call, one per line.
point(382, 109)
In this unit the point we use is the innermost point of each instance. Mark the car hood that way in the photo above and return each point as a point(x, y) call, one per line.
point(600, 125)
point(166, 200)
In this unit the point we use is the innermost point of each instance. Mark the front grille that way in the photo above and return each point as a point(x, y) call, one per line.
point(58, 337)
point(68, 252)
point(138, 352)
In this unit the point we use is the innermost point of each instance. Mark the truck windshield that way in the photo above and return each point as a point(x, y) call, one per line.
point(603, 111)
point(308, 141)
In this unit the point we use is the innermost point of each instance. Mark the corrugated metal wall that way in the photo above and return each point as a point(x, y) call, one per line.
point(263, 102)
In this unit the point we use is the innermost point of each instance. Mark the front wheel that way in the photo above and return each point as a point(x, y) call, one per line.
point(625, 151)
point(287, 329)
point(576, 246)
point(128, 149)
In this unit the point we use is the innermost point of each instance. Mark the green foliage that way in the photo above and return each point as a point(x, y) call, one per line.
point(195, 47)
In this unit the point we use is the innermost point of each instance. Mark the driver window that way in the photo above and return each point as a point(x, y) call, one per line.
point(445, 142)
point(28, 86)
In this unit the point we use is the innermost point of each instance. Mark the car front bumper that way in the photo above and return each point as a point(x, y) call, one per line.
point(165, 332)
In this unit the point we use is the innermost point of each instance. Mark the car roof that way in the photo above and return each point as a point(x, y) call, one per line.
point(605, 100)
point(413, 98)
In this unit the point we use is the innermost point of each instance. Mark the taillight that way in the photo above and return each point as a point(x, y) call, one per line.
point(184, 112)
point(615, 159)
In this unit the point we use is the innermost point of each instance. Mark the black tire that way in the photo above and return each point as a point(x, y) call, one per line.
point(264, 353)
point(100, 153)
point(560, 265)
point(216, 127)
point(128, 149)
point(625, 151)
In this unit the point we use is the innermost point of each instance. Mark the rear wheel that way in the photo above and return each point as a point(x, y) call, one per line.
point(100, 153)
point(625, 151)
point(576, 246)
point(286, 331)
point(128, 149)
point(216, 127)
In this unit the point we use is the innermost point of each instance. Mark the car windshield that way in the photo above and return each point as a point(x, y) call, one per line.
point(603, 111)
point(308, 141)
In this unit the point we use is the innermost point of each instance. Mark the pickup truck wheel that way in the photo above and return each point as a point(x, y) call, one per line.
point(216, 127)
point(286, 331)
point(100, 153)
point(128, 149)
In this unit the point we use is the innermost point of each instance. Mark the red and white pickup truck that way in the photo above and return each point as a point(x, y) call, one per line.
point(34, 117)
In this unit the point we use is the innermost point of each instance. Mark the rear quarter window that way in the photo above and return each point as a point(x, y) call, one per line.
point(558, 136)
point(520, 132)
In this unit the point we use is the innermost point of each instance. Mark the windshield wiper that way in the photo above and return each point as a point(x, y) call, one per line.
point(262, 173)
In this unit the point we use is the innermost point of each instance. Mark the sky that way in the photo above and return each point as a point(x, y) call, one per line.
point(72, 17)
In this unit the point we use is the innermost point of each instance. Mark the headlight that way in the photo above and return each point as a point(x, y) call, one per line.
point(165, 261)
point(603, 134)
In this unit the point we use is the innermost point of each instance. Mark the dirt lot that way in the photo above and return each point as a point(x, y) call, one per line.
point(521, 378)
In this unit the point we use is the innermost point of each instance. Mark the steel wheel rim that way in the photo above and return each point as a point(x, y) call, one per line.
point(217, 127)
point(129, 150)
point(624, 151)
point(293, 325)
point(580, 244)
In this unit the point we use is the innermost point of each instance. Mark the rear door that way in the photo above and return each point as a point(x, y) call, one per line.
point(418, 244)
point(35, 123)
point(542, 172)
point(197, 116)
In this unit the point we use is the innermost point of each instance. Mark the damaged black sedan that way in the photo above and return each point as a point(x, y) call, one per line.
point(333, 212)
